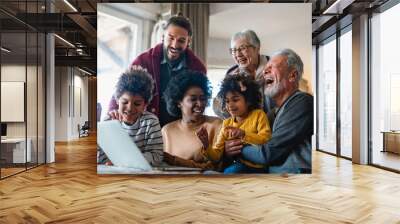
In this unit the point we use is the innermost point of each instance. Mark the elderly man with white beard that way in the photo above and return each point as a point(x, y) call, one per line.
point(289, 149)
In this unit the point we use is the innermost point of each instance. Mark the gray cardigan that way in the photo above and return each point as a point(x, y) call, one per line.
point(289, 149)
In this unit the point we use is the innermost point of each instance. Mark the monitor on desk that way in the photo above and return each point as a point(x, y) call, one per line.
point(3, 130)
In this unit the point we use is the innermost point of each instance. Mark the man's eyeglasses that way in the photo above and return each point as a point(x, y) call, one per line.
point(239, 49)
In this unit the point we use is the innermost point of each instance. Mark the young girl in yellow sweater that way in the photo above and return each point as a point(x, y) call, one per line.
point(242, 99)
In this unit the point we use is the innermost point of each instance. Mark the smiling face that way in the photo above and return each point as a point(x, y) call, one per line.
point(193, 104)
point(277, 76)
point(131, 107)
point(247, 57)
point(236, 105)
point(176, 39)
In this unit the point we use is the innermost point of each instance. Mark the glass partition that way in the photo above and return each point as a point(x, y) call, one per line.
point(41, 96)
point(31, 97)
point(13, 96)
point(22, 90)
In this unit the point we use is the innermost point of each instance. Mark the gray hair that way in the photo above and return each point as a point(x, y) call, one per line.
point(249, 35)
point(293, 61)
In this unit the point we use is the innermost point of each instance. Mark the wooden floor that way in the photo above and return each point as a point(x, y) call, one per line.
point(70, 191)
point(387, 159)
point(5, 172)
point(10, 171)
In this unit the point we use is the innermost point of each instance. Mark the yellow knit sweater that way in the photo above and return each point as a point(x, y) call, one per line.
point(257, 131)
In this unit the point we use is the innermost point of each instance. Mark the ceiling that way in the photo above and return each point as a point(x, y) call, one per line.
point(78, 26)
point(332, 15)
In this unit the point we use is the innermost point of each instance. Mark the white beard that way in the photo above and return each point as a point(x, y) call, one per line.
point(273, 90)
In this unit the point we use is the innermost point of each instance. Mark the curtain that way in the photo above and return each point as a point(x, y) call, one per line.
point(198, 14)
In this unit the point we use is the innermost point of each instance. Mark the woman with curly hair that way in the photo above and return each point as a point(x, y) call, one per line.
point(185, 140)
point(242, 99)
point(134, 91)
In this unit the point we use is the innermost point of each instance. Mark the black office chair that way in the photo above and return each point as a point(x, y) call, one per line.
point(84, 130)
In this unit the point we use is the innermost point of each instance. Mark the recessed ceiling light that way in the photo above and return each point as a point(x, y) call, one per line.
point(64, 40)
point(86, 72)
point(337, 7)
point(70, 5)
point(5, 49)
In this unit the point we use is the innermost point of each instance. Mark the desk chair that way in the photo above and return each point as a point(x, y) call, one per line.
point(84, 130)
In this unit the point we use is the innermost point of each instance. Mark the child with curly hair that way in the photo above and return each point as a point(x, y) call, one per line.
point(242, 99)
point(134, 91)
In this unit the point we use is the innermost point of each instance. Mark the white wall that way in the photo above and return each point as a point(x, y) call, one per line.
point(61, 103)
point(69, 85)
point(33, 126)
point(296, 39)
point(79, 117)
point(218, 53)
point(16, 72)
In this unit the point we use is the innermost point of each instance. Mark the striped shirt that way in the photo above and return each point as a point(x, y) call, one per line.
point(146, 133)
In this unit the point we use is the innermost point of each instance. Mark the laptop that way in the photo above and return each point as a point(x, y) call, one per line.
point(123, 152)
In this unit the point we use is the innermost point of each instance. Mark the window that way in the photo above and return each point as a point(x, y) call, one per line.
point(327, 96)
point(335, 94)
point(346, 94)
point(385, 87)
point(117, 46)
point(215, 75)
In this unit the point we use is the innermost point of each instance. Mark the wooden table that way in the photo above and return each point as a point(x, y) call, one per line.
point(13, 150)
point(391, 141)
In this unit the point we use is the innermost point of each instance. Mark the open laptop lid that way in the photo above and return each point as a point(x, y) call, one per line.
point(120, 147)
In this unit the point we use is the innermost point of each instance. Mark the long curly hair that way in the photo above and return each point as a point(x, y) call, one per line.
point(178, 86)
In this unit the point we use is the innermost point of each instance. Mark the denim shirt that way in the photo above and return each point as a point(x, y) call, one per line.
point(168, 70)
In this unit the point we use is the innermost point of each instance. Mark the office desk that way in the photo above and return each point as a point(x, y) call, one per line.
point(13, 150)
point(391, 141)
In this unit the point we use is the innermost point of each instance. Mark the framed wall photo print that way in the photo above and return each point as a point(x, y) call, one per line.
point(204, 88)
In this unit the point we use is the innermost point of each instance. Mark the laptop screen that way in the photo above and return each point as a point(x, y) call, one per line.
point(119, 146)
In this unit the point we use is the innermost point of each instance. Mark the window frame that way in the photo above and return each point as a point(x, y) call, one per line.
point(334, 37)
